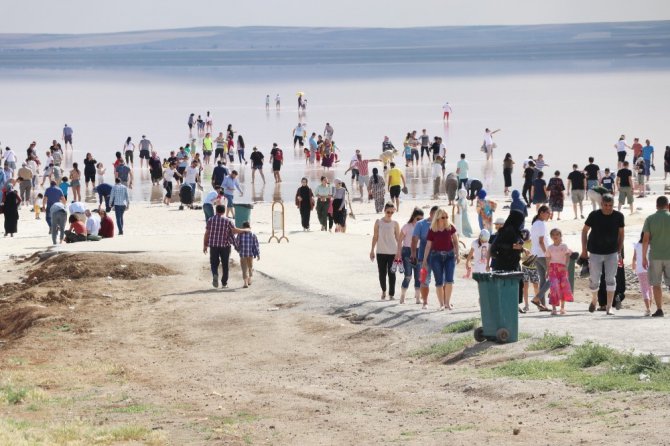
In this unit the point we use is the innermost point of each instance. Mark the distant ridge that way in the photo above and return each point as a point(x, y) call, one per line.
point(286, 45)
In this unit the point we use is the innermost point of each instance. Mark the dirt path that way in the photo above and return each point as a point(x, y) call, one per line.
point(169, 360)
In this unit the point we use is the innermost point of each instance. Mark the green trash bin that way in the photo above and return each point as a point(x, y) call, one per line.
point(571, 270)
point(499, 305)
point(242, 213)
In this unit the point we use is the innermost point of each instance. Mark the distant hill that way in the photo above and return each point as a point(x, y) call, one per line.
point(226, 46)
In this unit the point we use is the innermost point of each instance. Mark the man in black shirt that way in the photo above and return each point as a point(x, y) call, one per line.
point(626, 186)
point(602, 237)
point(256, 158)
point(577, 183)
point(593, 176)
point(218, 174)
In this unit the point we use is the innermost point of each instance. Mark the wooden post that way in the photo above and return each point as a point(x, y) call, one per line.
point(278, 222)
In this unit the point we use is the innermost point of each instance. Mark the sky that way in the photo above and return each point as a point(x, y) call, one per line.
point(93, 16)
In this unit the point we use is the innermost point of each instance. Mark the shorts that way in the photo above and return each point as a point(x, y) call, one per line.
point(354, 173)
point(530, 275)
point(68, 139)
point(229, 200)
point(625, 194)
point(659, 269)
point(298, 139)
point(577, 196)
point(640, 179)
point(167, 185)
point(75, 183)
point(145, 154)
point(621, 156)
point(276, 166)
point(218, 153)
point(129, 156)
point(363, 180)
point(590, 184)
point(257, 167)
point(395, 191)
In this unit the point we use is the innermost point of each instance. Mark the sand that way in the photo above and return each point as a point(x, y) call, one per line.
point(306, 355)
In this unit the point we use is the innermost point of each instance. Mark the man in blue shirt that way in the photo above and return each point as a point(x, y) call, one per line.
point(104, 190)
point(420, 238)
point(218, 174)
point(313, 148)
point(51, 195)
point(120, 201)
point(648, 156)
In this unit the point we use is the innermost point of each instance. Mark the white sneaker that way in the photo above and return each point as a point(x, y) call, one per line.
point(647, 313)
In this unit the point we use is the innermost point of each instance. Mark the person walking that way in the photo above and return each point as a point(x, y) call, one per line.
point(395, 179)
point(593, 176)
point(442, 253)
point(89, 170)
point(361, 166)
point(12, 202)
point(119, 200)
point(648, 156)
point(304, 201)
point(642, 274)
point(462, 168)
point(256, 158)
point(446, 111)
point(656, 250)
point(384, 239)
point(418, 249)
point(146, 148)
point(75, 182)
point(67, 136)
point(277, 159)
point(323, 194)
point(625, 183)
point(666, 163)
point(577, 183)
point(539, 239)
point(219, 236)
point(52, 195)
point(230, 183)
point(246, 245)
point(555, 189)
point(377, 190)
point(508, 167)
point(129, 151)
point(529, 174)
point(602, 241)
point(485, 209)
point(404, 254)
point(488, 142)
point(340, 206)
point(621, 147)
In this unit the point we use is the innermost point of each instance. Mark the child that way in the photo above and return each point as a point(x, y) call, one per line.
point(437, 176)
point(408, 154)
point(642, 276)
point(530, 275)
point(246, 244)
point(608, 181)
point(100, 170)
point(558, 255)
point(48, 172)
point(480, 253)
point(37, 205)
point(64, 186)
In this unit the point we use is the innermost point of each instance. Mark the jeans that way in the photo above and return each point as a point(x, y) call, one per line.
point(240, 155)
point(384, 262)
point(219, 254)
point(410, 269)
point(541, 265)
point(208, 209)
point(119, 210)
point(443, 264)
point(58, 222)
point(525, 192)
point(596, 263)
point(104, 198)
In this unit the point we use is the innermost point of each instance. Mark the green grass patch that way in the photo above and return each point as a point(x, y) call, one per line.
point(441, 349)
point(551, 341)
point(462, 326)
point(241, 417)
point(596, 368)
point(456, 428)
point(63, 327)
point(13, 395)
point(133, 408)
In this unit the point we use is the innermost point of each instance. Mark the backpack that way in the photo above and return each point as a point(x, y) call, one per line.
point(279, 155)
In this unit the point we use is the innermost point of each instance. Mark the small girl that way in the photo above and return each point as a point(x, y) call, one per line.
point(479, 252)
point(558, 255)
point(642, 276)
point(100, 170)
point(530, 275)
point(64, 186)
point(37, 205)
point(639, 167)
point(246, 243)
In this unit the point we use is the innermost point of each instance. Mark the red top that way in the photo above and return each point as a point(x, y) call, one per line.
point(78, 227)
point(106, 227)
point(442, 239)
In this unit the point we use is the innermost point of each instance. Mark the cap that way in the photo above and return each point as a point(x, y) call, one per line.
point(499, 221)
point(484, 235)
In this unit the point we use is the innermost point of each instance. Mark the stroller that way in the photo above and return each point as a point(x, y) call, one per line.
point(185, 197)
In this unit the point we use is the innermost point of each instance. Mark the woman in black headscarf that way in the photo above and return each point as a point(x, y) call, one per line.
point(508, 246)
point(12, 202)
point(304, 200)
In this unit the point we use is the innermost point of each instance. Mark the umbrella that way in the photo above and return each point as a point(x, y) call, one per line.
point(300, 93)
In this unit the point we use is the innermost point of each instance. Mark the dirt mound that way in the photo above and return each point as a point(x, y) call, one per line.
point(16, 320)
point(93, 265)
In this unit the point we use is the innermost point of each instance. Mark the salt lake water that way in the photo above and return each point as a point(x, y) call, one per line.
point(566, 115)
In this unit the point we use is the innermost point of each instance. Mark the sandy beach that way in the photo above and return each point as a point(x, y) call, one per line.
point(109, 348)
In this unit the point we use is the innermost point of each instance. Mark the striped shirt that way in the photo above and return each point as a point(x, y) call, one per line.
point(220, 231)
point(246, 244)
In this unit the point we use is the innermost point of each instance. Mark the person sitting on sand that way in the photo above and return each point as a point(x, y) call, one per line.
point(77, 231)
point(106, 225)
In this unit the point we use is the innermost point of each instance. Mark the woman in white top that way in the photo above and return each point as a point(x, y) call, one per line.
point(385, 239)
point(129, 151)
point(488, 142)
point(404, 253)
point(208, 123)
point(642, 275)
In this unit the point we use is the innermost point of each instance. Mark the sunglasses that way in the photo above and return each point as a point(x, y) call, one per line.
point(444, 218)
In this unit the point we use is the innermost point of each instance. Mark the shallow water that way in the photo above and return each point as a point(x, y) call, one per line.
point(565, 116)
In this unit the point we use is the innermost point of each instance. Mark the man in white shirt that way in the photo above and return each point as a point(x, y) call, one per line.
point(299, 136)
point(10, 159)
point(210, 201)
point(539, 239)
point(92, 223)
point(191, 175)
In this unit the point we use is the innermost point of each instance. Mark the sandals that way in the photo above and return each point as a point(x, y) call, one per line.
point(592, 307)
point(539, 305)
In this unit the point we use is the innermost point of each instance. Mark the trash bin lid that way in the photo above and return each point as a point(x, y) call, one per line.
point(500, 275)
point(243, 205)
